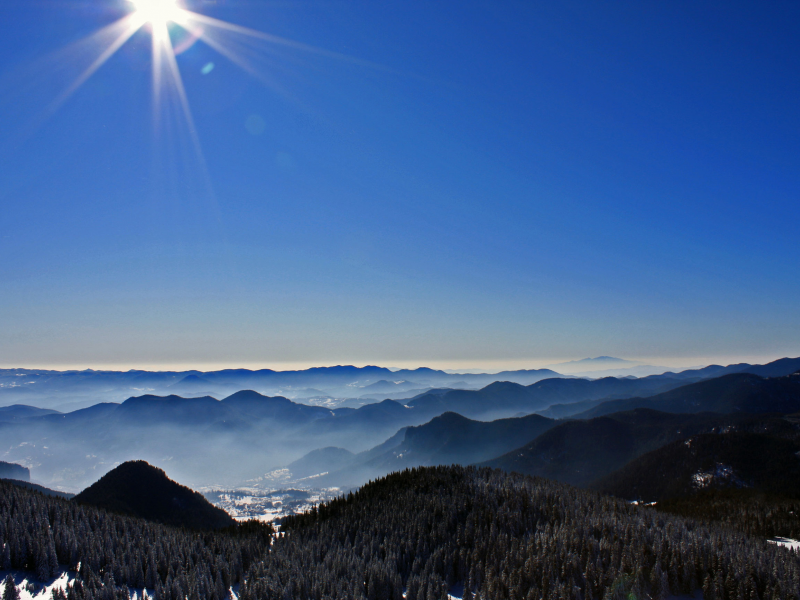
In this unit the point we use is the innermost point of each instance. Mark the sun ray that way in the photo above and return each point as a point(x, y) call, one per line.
point(190, 16)
point(128, 26)
point(160, 31)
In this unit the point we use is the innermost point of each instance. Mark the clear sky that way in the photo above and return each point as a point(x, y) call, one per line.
point(479, 183)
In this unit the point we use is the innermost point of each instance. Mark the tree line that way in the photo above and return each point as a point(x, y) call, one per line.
point(415, 535)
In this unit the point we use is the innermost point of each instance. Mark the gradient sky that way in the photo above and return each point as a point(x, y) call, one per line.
point(490, 183)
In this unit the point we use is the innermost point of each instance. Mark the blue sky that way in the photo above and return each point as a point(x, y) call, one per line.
point(481, 184)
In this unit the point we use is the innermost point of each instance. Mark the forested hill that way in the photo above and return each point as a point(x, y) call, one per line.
point(139, 489)
point(497, 536)
point(48, 535)
point(423, 532)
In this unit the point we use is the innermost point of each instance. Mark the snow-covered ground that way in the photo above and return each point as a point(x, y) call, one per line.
point(31, 589)
point(786, 543)
point(267, 505)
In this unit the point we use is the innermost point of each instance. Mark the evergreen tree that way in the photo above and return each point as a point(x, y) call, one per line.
point(10, 592)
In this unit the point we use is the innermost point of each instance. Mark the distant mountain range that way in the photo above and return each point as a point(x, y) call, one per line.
point(246, 435)
point(70, 390)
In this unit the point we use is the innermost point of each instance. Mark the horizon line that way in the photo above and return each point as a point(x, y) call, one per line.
point(467, 366)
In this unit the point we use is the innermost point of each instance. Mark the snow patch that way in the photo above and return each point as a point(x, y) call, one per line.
point(31, 589)
point(786, 543)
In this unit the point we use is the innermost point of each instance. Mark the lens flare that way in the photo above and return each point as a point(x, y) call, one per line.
point(157, 12)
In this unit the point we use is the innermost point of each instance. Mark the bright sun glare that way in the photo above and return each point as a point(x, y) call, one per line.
point(168, 89)
point(157, 11)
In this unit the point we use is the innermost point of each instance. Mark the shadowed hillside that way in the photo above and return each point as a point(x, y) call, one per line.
point(447, 439)
point(740, 392)
point(139, 489)
point(731, 460)
point(580, 452)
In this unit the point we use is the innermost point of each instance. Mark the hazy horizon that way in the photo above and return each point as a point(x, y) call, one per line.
point(481, 366)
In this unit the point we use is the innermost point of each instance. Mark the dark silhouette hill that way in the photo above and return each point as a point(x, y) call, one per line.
point(756, 461)
point(14, 471)
point(738, 392)
point(582, 451)
point(139, 489)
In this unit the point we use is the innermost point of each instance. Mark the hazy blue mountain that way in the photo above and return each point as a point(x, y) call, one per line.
point(502, 399)
point(79, 389)
point(322, 460)
point(22, 411)
point(46, 388)
point(593, 364)
point(14, 471)
point(447, 439)
point(247, 434)
point(387, 386)
point(276, 408)
point(738, 392)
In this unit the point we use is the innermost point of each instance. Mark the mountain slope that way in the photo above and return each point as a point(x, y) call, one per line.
point(419, 534)
point(580, 452)
point(738, 392)
point(321, 460)
point(16, 412)
point(503, 398)
point(739, 460)
point(446, 439)
point(139, 489)
point(14, 471)
point(453, 439)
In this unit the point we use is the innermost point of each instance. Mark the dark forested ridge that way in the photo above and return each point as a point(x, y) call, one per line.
point(39, 488)
point(142, 490)
point(579, 452)
point(507, 536)
point(47, 535)
point(748, 480)
point(738, 392)
point(423, 532)
point(724, 460)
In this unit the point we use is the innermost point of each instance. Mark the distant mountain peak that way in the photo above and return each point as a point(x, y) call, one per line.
point(593, 364)
point(602, 359)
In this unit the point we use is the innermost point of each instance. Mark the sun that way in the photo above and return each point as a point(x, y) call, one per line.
point(157, 12)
